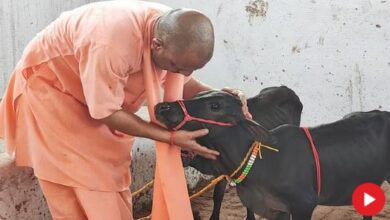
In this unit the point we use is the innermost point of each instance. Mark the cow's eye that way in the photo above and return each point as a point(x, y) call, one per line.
point(214, 106)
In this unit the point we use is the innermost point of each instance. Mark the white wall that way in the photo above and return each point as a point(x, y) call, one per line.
point(334, 54)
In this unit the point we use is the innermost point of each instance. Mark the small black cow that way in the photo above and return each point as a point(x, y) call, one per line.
point(272, 107)
point(352, 151)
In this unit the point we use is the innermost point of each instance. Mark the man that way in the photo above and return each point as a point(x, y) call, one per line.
point(68, 111)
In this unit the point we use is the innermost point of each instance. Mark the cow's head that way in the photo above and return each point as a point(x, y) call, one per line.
point(215, 110)
point(275, 106)
point(213, 107)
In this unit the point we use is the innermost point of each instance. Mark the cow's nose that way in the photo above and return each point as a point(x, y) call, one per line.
point(163, 107)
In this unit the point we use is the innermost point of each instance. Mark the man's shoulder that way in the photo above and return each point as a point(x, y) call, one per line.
point(132, 6)
point(153, 5)
point(118, 8)
point(107, 21)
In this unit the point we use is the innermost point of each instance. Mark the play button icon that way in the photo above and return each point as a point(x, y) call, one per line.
point(368, 199)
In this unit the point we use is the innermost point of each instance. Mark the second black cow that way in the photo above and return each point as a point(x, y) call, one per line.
point(272, 107)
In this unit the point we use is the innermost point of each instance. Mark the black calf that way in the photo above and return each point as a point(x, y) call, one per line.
point(272, 107)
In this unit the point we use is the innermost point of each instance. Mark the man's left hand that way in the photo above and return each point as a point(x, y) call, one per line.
point(240, 94)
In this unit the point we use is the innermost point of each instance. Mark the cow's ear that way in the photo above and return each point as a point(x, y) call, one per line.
point(258, 132)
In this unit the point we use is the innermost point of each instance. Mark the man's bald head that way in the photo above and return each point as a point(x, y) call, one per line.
point(187, 30)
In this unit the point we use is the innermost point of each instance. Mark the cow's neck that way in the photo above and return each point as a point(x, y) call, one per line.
point(233, 147)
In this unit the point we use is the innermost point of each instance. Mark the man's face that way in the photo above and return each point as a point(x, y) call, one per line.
point(167, 58)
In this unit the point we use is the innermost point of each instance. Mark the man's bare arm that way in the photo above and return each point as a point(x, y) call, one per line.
point(131, 124)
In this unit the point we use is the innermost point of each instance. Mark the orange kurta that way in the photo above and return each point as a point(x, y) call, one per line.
point(85, 65)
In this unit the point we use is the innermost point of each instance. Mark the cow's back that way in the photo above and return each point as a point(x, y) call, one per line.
point(353, 150)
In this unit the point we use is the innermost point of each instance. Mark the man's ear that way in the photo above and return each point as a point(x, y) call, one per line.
point(157, 44)
point(258, 132)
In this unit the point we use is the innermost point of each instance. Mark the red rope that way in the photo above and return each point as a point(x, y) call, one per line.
point(316, 159)
point(188, 117)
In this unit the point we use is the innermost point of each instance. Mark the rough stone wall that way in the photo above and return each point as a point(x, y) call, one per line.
point(20, 195)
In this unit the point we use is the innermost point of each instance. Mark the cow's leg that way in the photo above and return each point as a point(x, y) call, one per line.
point(219, 191)
point(301, 216)
point(282, 216)
point(250, 215)
point(303, 213)
point(196, 215)
point(367, 217)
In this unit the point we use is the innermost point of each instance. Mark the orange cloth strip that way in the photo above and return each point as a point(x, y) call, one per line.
point(170, 196)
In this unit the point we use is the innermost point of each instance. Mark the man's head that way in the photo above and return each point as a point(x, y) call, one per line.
point(183, 41)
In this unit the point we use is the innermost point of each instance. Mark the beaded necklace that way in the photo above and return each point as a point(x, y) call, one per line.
point(256, 150)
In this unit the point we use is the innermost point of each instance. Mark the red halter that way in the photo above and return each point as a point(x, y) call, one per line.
point(316, 159)
point(188, 118)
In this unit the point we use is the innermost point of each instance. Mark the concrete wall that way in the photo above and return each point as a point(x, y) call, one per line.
point(20, 196)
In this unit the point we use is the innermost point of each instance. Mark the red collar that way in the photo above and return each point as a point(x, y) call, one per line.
point(316, 159)
point(188, 117)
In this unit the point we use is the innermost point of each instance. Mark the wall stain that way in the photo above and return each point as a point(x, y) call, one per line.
point(349, 92)
point(358, 82)
point(321, 40)
point(18, 206)
point(295, 49)
point(256, 8)
point(219, 9)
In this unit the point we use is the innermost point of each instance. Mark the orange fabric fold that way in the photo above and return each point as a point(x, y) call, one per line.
point(170, 195)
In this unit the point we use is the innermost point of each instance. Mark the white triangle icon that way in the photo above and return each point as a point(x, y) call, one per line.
point(368, 199)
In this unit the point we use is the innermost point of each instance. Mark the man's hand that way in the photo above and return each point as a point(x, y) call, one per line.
point(240, 94)
point(186, 140)
point(131, 124)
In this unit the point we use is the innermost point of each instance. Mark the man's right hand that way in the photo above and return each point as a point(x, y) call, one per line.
point(131, 124)
point(186, 140)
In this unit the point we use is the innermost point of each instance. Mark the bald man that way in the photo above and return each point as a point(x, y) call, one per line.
point(68, 111)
